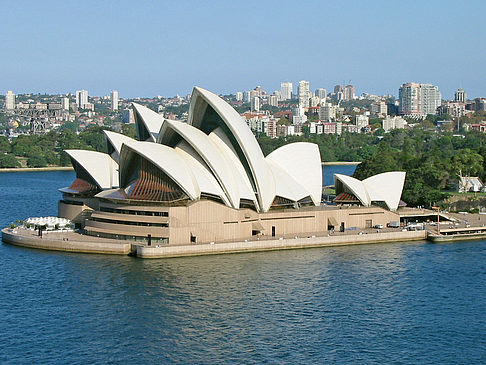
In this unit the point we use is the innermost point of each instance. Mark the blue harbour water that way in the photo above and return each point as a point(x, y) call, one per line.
point(404, 303)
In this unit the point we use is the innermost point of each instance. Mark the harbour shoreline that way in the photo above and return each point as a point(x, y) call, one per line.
point(76, 242)
point(337, 163)
point(36, 169)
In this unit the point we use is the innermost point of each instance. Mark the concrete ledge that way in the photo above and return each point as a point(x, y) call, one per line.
point(89, 245)
point(267, 245)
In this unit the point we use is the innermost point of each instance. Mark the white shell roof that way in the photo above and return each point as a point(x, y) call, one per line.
point(168, 160)
point(260, 171)
point(151, 120)
point(100, 166)
point(301, 162)
point(355, 186)
point(117, 139)
point(244, 186)
point(287, 187)
point(204, 178)
point(216, 161)
point(386, 187)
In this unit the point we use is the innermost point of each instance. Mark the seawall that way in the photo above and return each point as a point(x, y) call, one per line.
point(57, 242)
point(31, 169)
point(282, 244)
point(75, 242)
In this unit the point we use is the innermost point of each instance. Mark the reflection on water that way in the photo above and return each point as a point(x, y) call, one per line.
point(380, 303)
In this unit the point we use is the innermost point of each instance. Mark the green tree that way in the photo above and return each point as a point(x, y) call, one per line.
point(8, 160)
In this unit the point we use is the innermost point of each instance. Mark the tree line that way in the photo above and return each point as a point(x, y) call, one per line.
point(47, 149)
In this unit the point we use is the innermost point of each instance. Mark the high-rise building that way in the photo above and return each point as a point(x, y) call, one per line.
point(10, 100)
point(286, 90)
point(255, 104)
point(273, 100)
point(82, 98)
point(239, 96)
point(338, 89)
point(460, 96)
point(304, 93)
point(418, 99)
point(430, 99)
point(258, 91)
point(246, 96)
point(327, 112)
point(114, 100)
point(321, 93)
point(349, 92)
point(65, 103)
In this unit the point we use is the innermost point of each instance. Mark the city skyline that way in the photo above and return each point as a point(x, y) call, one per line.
point(375, 46)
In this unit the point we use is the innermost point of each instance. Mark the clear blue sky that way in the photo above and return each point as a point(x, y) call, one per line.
point(148, 48)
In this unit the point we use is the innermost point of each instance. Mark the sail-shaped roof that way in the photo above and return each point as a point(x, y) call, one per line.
point(302, 162)
point(100, 167)
point(386, 187)
point(166, 159)
point(207, 112)
point(114, 143)
point(148, 122)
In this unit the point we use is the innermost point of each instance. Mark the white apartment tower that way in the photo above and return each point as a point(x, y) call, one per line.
point(430, 98)
point(81, 98)
point(10, 100)
point(460, 96)
point(255, 104)
point(114, 100)
point(304, 93)
point(418, 99)
point(286, 90)
point(65, 103)
point(321, 93)
point(273, 100)
point(239, 96)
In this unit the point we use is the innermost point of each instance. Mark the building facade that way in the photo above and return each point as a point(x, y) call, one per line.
point(419, 99)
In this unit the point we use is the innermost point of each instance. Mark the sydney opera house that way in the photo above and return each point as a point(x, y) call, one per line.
point(207, 180)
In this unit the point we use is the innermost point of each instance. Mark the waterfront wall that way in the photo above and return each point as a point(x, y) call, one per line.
point(280, 244)
point(56, 244)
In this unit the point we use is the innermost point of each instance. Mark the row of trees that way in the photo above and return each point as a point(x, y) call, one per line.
point(47, 149)
point(432, 162)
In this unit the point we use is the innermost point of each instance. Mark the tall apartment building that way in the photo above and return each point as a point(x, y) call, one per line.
point(82, 98)
point(273, 100)
point(246, 96)
point(418, 99)
point(338, 89)
point(460, 96)
point(304, 93)
point(286, 90)
point(239, 96)
point(255, 104)
point(327, 112)
point(114, 100)
point(10, 100)
point(321, 93)
point(65, 103)
point(349, 92)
